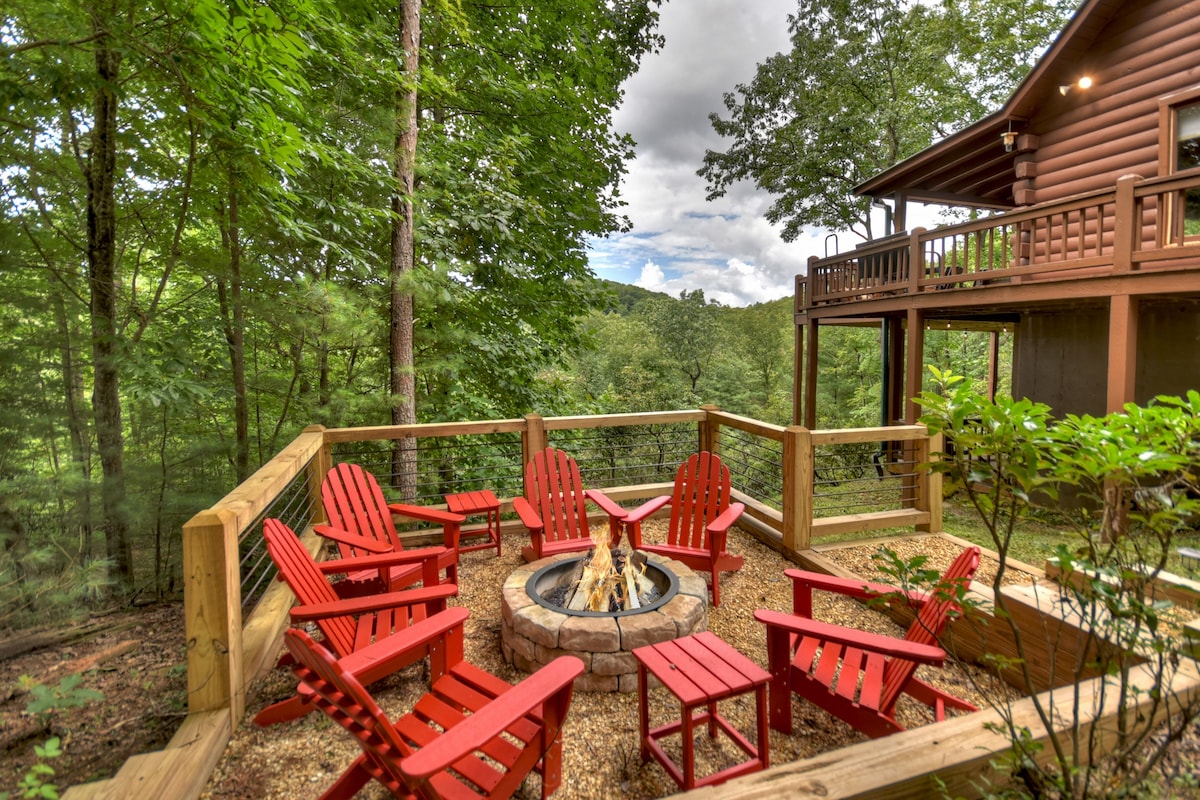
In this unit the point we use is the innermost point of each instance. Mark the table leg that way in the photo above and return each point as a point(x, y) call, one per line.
point(689, 747)
point(764, 742)
point(643, 712)
point(712, 719)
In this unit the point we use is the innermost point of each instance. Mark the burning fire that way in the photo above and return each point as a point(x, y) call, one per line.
point(601, 587)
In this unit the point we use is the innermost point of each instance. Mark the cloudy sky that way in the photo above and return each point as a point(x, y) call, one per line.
point(679, 240)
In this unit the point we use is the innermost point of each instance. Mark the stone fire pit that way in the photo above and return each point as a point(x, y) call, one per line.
point(534, 634)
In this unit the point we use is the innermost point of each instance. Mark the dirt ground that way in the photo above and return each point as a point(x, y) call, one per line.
point(136, 660)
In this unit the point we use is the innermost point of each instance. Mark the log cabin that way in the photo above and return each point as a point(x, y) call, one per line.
point(1086, 242)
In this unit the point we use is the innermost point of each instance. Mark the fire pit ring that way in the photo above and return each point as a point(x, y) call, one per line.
point(533, 634)
point(547, 576)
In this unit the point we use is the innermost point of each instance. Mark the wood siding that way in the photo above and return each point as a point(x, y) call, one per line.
point(1089, 138)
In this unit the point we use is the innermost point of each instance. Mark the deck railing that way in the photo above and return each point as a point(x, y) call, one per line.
point(777, 472)
point(1140, 224)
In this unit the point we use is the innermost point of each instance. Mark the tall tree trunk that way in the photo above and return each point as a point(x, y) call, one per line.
point(81, 446)
point(403, 386)
point(234, 315)
point(102, 282)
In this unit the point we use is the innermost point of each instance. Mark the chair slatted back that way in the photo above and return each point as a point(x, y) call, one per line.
point(931, 621)
point(702, 491)
point(554, 488)
point(354, 502)
point(342, 697)
point(298, 569)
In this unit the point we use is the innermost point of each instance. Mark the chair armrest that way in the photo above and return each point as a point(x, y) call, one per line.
point(451, 523)
point(803, 582)
point(646, 509)
point(353, 539)
point(726, 518)
point(426, 514)
point(529, 517)
point(490, 721)
point(850, 637)
point(373, 602)
point(607, 505)
point(380, 561)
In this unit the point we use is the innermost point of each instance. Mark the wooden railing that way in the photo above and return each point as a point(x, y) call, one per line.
point(776, 472)
point(1138, 225)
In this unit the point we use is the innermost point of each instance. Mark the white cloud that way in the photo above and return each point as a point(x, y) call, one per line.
point(725, 247)
point(652, 278)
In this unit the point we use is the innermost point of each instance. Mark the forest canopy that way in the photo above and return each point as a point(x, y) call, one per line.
point(220, 220)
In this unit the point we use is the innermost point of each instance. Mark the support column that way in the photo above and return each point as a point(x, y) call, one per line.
point(798, 376)
point(1122, 351)
point(895, 407)
point(914, 361)
point(810, 376)
point(993, 364)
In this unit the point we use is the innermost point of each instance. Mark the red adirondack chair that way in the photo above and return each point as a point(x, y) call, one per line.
point(701, 513)
point(355, 505)
point(373, 635)
point(554, 508)
point(854, 675)
point(471, 735)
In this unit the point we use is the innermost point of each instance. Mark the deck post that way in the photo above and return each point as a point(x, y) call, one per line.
point(709, 430)
point(212, 602)
point(916, 262)
point(797, 488)
point(1127, 224)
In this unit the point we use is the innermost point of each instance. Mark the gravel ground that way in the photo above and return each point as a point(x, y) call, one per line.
point(600, 747)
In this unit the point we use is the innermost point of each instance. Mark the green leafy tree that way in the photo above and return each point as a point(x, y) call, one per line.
point(1012, 457)
point(688, 330)
point(865, 85)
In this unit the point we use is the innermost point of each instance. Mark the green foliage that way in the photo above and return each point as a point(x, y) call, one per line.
point(253, 203)
point(69, 693)
point(45, 703)
point(1129, 484)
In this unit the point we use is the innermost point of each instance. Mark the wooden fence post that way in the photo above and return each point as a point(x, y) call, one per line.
point(710, 430)
point(797, 488)
point(929, 482)
point(320, 465)
point(533, 439)
point(212, 602)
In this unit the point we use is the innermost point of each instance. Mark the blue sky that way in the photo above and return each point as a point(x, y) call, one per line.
point(679, 240)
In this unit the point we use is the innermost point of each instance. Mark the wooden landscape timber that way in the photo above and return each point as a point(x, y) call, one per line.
point(958, 753)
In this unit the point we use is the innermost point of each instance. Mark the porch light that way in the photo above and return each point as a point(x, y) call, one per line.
point(1084, 83)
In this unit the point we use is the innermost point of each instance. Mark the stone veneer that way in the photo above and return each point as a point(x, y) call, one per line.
point(532, 635)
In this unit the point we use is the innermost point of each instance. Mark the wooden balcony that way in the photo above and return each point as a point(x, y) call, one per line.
point(1132, 239)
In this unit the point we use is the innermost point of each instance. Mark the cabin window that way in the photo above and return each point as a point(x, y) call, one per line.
point(1186, 155)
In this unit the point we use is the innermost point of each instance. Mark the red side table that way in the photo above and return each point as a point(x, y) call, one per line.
point(482, 502)
point(700, 670)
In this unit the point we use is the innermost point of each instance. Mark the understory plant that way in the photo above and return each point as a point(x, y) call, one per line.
point(1126, 484)
point(45, 702)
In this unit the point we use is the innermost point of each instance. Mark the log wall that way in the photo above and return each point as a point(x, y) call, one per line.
point(1089, 138)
